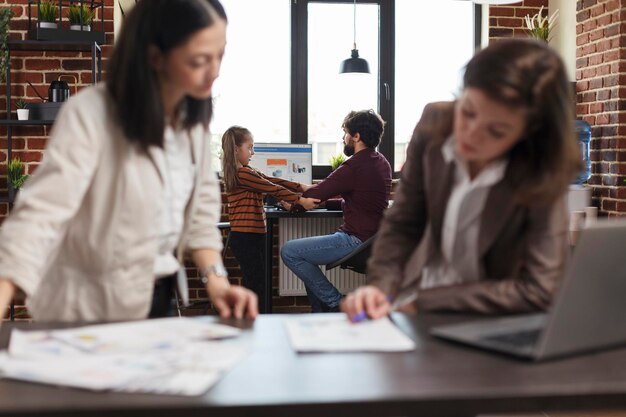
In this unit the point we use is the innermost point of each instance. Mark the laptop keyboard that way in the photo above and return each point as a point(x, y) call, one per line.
point(519, 339)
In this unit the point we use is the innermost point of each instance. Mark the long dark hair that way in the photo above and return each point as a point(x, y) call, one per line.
point(132, 82)
point(528, 73)
point(234, 137)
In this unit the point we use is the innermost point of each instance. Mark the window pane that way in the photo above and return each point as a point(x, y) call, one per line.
point(254, 87)
point(331, 96)
point(429, 62)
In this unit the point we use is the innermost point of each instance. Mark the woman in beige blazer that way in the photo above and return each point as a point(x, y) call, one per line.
point(126, 181)
point(479, 221)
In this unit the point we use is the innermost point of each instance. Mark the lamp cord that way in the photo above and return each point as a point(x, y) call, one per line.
point(354, 26)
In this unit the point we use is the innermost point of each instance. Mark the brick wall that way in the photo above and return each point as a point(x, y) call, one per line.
point(507, 20)
point(40, 68)
point(600, 87)
point(601, 90)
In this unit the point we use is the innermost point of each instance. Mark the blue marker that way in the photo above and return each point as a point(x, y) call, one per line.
point(359, 317)
point(395, 304)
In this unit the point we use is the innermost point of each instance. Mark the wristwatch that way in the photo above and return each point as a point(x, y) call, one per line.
point(216, 269)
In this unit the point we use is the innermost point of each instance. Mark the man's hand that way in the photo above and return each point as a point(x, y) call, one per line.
point(368, 301)
point(308, 203)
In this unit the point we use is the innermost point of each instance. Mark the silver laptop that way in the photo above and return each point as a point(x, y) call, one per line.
point(588, 313)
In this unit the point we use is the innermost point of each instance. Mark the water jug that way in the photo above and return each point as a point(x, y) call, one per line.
point(583, 135)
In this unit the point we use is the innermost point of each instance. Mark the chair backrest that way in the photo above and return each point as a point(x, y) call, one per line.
point(357, 259)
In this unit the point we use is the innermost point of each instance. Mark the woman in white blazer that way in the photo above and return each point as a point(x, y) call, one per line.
point(126, 182)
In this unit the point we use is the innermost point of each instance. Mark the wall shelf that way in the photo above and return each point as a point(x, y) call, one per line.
point(62, 31)
point(35, 45)
point(14, 122)
point(30, 45)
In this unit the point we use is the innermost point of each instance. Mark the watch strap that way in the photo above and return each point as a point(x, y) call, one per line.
point(215, 269)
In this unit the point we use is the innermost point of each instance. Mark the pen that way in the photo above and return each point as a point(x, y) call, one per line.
point(359, 317)
point(396, 303)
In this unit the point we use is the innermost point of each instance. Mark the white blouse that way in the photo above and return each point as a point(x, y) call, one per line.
point(458, 261)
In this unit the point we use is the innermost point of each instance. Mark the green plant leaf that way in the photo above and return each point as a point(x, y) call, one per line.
point(48, 12)
point(540, 26)
point(5, 18)
point(336, 160)
point(75, 12)
point(15, 169)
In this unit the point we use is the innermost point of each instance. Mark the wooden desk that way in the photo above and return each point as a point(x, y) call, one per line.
point(273, 215)
point(437, 380)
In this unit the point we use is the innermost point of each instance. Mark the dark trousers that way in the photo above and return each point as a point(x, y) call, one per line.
point(163, 302)
point(249, 250)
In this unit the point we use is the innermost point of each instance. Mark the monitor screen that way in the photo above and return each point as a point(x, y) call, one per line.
point(290, 161)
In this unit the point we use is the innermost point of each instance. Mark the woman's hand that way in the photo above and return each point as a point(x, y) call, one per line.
point(228, 300)
point(285, 205)
point(7, 290)
point(308, 203)
point(368, 301)
point(235, 302)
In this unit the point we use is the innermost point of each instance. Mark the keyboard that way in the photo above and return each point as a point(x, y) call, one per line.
point(519, 339)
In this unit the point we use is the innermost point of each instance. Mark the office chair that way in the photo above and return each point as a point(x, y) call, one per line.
point(357, 259)
point(224, 226)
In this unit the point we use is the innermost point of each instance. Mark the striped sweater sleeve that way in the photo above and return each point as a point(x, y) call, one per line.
point(290, 185)
point(252, 180)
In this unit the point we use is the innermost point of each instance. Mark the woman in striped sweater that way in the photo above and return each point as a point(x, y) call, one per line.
point(245, 188)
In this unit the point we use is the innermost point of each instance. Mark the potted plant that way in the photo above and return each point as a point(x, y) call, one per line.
point(22, 109)
point(80, 17)
point(5, 18)
point(15, 174)
point(336, 160)
point(48, 15)
point(539, 26)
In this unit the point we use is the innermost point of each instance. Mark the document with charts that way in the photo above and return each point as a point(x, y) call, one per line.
point(335, 333)
point(166, 356)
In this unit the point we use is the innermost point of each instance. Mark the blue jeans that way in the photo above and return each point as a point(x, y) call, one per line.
point(303, 256)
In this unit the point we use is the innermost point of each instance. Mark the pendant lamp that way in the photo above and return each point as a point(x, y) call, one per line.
point(354, 63)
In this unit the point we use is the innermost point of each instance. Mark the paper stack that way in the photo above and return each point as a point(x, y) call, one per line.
point(180, 356)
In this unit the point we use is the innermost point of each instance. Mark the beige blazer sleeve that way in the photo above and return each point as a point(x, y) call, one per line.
point(50, 198)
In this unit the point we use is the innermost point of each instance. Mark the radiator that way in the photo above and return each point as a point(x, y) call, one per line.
point(295, 228)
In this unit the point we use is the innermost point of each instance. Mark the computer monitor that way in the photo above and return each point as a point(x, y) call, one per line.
point(290, 161)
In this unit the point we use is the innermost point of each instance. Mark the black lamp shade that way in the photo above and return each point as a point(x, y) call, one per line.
point(354, 64)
